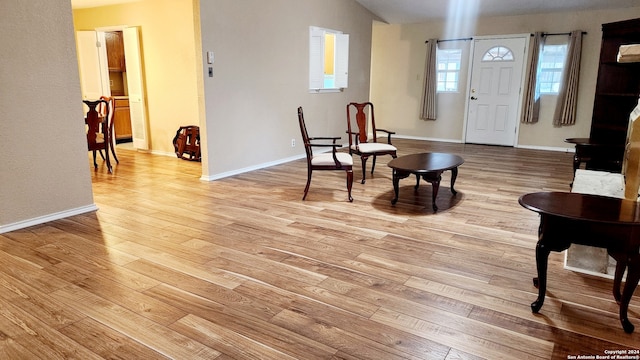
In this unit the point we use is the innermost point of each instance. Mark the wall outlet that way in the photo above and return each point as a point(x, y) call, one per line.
point(293, 142)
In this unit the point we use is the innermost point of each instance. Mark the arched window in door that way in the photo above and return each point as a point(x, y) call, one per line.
point(498, 53)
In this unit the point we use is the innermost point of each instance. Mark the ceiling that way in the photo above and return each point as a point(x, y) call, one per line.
point(418, 11)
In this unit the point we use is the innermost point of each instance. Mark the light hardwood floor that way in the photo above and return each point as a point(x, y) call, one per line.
point(174, 267)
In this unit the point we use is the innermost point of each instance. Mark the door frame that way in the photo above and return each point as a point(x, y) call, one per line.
point(527, 37)
point(141, 143)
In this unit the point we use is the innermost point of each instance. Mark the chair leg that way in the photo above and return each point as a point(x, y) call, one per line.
point(306, 188)
point(373, 164)
point(95, 163)
point(101, 154)
point(106, 153)
point(350, 183)
point(364, 168)
point(113, 151)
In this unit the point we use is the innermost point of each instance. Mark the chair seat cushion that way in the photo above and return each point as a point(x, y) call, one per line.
point(598, 183)
point(327, 159)
point(373, 147)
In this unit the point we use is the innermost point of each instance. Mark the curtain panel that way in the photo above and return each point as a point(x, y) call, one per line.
point(565, 113)
point(531, 109)
point(428, 106)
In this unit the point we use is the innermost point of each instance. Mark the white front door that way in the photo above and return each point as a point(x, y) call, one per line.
point(495, 96)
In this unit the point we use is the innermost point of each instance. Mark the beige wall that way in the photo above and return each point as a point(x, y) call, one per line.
point(398, 54)
point(44, 170)
point(171, 56)
point(261, 76)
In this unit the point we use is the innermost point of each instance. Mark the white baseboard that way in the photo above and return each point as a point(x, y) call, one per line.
point(251, 168)
point(457, 141)
point(162, 153)
point(46, 218)
point(547, 148)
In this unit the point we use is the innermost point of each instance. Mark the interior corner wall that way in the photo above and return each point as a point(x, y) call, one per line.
point(261, 76)
point(170, 51)
point(44, 169)
point(398, 54)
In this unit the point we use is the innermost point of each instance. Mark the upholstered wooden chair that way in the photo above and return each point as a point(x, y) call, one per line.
point(333, 160)
point(97, 132)
point(359, 143)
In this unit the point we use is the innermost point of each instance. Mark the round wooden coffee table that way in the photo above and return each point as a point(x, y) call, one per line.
point(429, 166)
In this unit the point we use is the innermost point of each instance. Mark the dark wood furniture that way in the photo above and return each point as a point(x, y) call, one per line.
point(358, 139)
point(98, 133)
point(429, 166)
point(596, 155)
point(604, 222)
point(187, 143)
point(617, 91)
point(107, 111)
point(324, 161)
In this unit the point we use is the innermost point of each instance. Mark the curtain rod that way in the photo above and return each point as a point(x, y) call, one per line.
point(461, 39)
point(565, 33)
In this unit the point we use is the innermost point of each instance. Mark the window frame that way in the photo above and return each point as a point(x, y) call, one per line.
point(556, 71)
point(317, 59)
point(446, 71)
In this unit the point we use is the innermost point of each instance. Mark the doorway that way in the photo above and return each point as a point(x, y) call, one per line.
point(110, 59)
point(495, 98)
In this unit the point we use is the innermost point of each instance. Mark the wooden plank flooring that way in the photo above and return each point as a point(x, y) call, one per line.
point(172, 267)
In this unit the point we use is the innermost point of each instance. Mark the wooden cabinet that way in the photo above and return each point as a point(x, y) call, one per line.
point(122, 119)
point(115, 51)
point(617, 91)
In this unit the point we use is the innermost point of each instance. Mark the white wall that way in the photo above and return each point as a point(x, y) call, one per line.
point(398, 54)
point(44, 169)
point(261, 77)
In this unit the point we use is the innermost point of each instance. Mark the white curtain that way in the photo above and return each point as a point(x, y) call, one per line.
point(531, 109)
point(565, 113)
point(428, 106)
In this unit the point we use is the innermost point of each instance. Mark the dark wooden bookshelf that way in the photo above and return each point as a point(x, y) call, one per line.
point(617, 92)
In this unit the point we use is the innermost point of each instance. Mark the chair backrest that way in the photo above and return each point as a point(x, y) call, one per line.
point(359, 111)
point(95, 124)
point(107, 109)
point(305, 135)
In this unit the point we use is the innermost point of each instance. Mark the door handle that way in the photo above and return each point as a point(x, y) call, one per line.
point(474, 98)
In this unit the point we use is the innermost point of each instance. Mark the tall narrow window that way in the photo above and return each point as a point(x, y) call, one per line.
point(328, 60)
point(551, 64)
point(448, 69)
